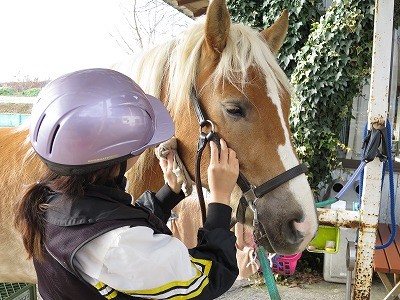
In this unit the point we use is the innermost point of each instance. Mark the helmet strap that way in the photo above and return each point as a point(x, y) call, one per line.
point(122, 170)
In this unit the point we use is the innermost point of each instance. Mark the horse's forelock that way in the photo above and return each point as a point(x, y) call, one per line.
point(246, 48)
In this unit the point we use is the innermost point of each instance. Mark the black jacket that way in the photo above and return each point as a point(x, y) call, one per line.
point(72, 224)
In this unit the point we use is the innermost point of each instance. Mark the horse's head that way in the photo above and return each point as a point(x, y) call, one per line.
point(247, 96)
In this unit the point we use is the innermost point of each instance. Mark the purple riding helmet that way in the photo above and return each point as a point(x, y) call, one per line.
point(95, 118)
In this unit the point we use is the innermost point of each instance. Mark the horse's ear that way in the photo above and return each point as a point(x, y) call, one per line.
point(217, 25)
point(275, 34)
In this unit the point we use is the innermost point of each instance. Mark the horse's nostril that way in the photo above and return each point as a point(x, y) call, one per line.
point(295, 237)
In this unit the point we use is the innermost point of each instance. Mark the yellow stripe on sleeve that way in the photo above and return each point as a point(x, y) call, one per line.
point(203, 262)
point(203, 269)
point(105, 290)
point(193, 287)
point(99, 285)
point(194, 294)
point(112, 295)
point(167, 286)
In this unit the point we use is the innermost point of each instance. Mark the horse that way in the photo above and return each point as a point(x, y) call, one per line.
point(234, 73)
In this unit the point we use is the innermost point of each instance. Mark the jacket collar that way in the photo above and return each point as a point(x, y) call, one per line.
point(99, 203)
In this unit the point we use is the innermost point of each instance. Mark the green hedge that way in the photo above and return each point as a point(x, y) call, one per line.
point(8, 91)
point(33, 92)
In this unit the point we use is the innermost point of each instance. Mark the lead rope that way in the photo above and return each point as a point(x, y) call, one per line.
point(266, 268)
point(267, 273)
point(201, 144)
point(204, 138)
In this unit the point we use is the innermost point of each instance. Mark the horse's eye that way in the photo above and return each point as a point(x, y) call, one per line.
point(235, 111)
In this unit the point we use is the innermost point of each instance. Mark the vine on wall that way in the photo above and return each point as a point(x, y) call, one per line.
point(331, 69)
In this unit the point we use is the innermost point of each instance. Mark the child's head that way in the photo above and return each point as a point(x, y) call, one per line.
point(93, 119)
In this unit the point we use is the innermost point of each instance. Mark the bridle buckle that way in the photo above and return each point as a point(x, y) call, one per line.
point(250, 196)
point(251, 199)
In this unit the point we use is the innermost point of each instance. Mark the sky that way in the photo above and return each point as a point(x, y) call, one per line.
point(44, 39)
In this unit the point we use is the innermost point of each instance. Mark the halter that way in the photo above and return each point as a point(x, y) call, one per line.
point(250, 193)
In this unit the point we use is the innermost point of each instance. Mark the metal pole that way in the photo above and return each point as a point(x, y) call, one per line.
point(338, 218)
point(350, 263)
point(377, 114)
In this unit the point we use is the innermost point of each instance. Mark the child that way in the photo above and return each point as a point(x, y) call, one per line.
point(86, 238)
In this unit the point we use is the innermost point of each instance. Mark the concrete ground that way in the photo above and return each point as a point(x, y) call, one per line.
point(243, 290)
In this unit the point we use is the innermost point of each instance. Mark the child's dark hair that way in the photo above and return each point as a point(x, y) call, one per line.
point(29, 218)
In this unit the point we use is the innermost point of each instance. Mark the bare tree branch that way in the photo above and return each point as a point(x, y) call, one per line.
point(136, 27)
point(146, 23)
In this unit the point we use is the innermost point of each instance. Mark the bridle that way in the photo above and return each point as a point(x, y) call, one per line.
point(250, 193)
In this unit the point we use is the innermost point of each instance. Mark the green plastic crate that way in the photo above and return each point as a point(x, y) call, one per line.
point(17, 291)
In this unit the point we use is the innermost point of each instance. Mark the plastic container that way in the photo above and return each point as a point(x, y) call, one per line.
point(335, 268)
point(17, 291)
point(285, 264)
point(326, 241)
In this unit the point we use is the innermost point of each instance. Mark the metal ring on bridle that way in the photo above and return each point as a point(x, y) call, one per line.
point(205, 123)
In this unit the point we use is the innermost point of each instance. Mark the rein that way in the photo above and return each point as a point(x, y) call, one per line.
point(250, 193)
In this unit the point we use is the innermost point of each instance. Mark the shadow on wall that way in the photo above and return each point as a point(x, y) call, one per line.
point(349, 200)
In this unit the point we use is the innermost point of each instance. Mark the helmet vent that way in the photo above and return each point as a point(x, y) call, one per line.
point(38, 127)
point(53, 138)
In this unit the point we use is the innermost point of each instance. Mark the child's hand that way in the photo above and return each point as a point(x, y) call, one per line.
point(223, 172)
point(169, 176)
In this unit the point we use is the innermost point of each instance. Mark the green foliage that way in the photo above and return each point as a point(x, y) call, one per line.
point(331, 69)
point(7, 91)
point(33, 92)
point(260, 14)
point(16, 91)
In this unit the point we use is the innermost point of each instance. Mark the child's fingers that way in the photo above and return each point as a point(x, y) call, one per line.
point(223, 157)
point(232, 156)
point(214, 153)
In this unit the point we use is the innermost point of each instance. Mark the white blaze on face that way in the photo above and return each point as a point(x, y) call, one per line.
point(298, 186)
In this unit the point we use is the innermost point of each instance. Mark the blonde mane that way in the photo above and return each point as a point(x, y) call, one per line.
point(180, 58)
